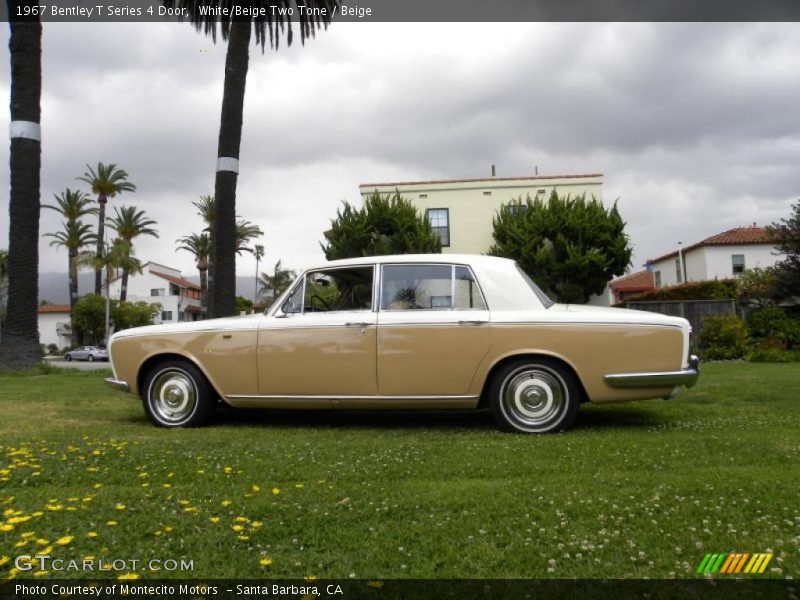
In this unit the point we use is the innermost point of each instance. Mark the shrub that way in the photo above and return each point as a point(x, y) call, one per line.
point(713, 289)
point(772, 326)
point(773, 355)
point(722, 338)
point(52, 349)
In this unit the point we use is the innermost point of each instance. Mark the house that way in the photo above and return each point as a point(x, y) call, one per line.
point(179, 298)
point(461, 210)
point(631, 285)
point(720, 256)
point(54, 325)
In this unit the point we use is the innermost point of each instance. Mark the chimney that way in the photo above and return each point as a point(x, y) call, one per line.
point(493, 172)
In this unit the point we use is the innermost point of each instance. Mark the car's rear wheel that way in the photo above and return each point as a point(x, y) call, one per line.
point(176, 394)
point(91, 358)
point(534, 395)
point(67, 357)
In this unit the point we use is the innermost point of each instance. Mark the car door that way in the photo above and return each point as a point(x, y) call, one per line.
point(433, 330)
point(320, 345)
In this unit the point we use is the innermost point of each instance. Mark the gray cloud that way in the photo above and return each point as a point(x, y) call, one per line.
point(694, 125)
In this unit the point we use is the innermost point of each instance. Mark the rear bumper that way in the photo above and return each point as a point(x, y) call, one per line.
point(117, 383)
point(685, 377)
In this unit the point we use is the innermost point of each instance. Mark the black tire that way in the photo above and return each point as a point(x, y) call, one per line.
point(91, 358)
point(534, 395)
point(175, 393)
point(67, 358)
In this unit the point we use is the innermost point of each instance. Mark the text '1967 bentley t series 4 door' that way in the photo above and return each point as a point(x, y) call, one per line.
point(413, 331)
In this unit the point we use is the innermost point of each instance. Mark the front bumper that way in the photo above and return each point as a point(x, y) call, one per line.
point(686, 377)
point(117, 383)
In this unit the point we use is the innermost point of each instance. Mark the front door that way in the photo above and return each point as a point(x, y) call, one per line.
point(321, 343)
point(433, 330)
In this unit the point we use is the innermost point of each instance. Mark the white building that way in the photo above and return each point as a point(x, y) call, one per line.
point(54, 325)
point(462, 210)
point(720, 256)
point(179, 298)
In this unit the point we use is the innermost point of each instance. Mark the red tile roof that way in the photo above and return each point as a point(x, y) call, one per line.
point(478, 180)
point(642, 280)
point(179, 281)
point(733, 237)
point(54, 308)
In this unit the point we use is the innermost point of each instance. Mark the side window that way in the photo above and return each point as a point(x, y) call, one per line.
point(467, 292)
point(294, 303)
point(429, 287)
point(338, 289)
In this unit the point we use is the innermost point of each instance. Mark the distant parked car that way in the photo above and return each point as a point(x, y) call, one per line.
point(90, 353)
point(430, 331)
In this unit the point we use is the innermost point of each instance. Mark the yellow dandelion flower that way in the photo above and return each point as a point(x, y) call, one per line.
point(125, 576)
point(256, 488)
point(27, 534)
point(275, 491)
point(97, 486)
point(145, 484)
point(111, 523)
point(87, 498)
point(6, 527)
point(158, 533)
point(256, 524)
point(265, 562)
point(167, 529)
point(214, 519)
point(298, 486)
point(15, 520)
point(4, 560)
point(184, 502)
point(8, 512)
point(72, 499)
point(166, 485)
point(170, 474)
point(46, 550)
point(92, 534)
point(21, 543)
point(237, 528)
point(41, 574)
point(241, 519)
point(200, 472)
point(63, 541)
point(120, 506)
point(228, 470)
point(37, 513)
point(54, 507)
point(71, 508)
point(242, 538)
point(42, 542)
point(226, 502)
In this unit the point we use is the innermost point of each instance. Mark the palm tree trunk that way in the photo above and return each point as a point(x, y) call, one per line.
point(20, 343)
point(73, 294)
point(123, 290)
point(230, 137)
point(203, 292)
point(101, 228)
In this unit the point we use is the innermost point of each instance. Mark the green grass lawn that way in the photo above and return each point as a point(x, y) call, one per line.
point(633, 490)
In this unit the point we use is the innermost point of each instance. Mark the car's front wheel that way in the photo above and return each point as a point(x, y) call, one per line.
point(68, 357)
point(176, 394)
point(91, 358)
point(534, 395)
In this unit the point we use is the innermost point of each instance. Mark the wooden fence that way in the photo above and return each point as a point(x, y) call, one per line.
point(692, 310)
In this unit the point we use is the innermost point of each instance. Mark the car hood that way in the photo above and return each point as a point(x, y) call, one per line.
point(243, 321)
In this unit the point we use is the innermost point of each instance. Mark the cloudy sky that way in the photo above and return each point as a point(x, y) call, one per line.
point(695, 126)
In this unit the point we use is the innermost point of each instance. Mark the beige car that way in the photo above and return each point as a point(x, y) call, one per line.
point(408, 332)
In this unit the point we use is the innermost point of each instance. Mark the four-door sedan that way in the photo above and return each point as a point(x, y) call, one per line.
point(90, 353)
point(411, 331)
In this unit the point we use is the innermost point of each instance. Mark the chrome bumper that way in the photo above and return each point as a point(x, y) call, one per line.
point(687, 377)
point(117, 383)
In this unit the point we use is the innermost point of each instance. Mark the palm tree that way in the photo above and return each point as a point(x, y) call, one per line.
point(245, 231)
point(276, 283)
point(258, 253)
point(207, 209)
point(75, 236)
point(130, 223)
point(273, 23)
point(72, 205)
point(200, 247)
point(106, 182)
point(20, 347)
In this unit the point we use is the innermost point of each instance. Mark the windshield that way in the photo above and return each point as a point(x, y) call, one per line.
point(543, 298)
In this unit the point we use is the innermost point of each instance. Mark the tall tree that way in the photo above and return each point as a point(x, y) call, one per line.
point(273, 285)
point(20, 343)
point(73, 206)
point(273, 21)
point(75, 236)
point(786, 234)
point(571, 247)
point(130, 223)
point(207, 209)
point(107, 182)
point(199, 246)
point(244, 232)
point(387, 224)
point(258, 254)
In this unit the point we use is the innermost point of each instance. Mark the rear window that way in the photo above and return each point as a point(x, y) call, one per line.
point(543, 298)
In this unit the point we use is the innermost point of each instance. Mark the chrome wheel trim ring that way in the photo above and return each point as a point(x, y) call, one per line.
point(172, 396)
point(534, 398)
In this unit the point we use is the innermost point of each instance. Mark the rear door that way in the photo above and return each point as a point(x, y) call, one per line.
point(433, 330)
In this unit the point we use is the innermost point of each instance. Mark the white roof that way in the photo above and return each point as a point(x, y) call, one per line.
point(463, 259)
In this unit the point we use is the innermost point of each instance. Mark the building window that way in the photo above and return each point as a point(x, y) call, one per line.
point(158, 292)
point(678, 274)
point(439, 219)
point(516, 208)
point(658, 278)
point(738, 263)
point(166, 315)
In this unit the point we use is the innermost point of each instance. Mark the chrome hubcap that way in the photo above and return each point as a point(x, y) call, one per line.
point(534, 397)
point(173, 396)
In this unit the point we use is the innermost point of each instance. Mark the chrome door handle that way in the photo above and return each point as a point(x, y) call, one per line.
point(356, 324)
point(476, 322)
